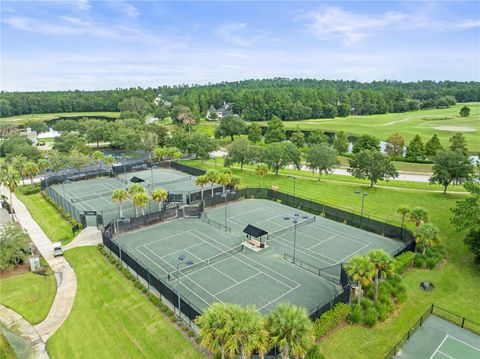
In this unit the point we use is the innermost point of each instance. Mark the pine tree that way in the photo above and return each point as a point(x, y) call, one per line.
point(341, 142)
point(416, 149)
point(275, 131)
point(433, 146)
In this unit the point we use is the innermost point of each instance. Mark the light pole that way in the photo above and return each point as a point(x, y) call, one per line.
point(295, 218)
point(188, 262)
point(294, 187)
point(225, 195)
point(63, 187)
point(363, 194)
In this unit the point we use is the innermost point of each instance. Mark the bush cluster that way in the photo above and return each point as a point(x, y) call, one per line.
point(28, 190)
point(430, 259)
point(369, 312)
point(150, 296)
point(330, 319)
point(404, 261)
point(65, 215)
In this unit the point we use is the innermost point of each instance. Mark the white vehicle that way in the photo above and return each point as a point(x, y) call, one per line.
point(57, 249)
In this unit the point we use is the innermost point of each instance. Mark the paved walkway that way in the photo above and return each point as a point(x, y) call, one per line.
point(66, 279)
point(15, 323)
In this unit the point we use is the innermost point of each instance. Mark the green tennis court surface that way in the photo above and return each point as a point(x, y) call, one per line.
point(437, 338)
point(95, 194)
point(223, 273)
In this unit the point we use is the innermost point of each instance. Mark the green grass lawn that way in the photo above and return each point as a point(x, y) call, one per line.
point(408, 124)
point(111, 319)
point(454, 280)
point(400, 166)
point(29, 294)
point(48, 116)
point(6, 351)
point(331, 178)
point(47, 217)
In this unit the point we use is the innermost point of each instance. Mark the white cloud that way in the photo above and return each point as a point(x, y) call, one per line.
point(82, 4)
point(337, 23)
point(238, 33)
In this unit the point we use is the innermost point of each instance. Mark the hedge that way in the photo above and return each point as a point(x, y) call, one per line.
point(330, 319)
point(404, 261)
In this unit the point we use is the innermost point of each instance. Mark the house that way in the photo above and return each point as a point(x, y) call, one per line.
point(214, 114)
point(31, 135)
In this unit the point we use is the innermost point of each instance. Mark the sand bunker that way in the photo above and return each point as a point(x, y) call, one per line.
point(455, 129)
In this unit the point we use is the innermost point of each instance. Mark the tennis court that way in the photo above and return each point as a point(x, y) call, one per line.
point(94, 195)
point(224, 270)
point(438, 338)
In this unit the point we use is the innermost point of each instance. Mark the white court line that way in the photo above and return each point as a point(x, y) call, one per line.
point(196, 295)
point(234, 285)
point(163, 260)
point(284, 294)
point(222, 272)
point(185, 249)
point(258, 264)
point(438, 348)
point(285, 243)
point(162, 239)
point(151, 260)
point(325, 240)
point(461, 341)
point(193, 255)
point(448, 356)
point(334, 230)
point(351, 254)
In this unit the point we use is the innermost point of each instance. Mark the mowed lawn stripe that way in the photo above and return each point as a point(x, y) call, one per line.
point(111, 319)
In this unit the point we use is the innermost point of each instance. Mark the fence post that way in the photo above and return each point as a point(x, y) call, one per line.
point(463, 322)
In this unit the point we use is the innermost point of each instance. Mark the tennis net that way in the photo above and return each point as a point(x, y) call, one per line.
point(214, 223)
point(175, 180)
point(91, 196)
point(123, 180)
point(205, 262)
point(282, 231)
point(331, 273)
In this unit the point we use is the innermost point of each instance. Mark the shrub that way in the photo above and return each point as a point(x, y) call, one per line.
point(383, 310)
point(401, 297)
point(330, 319)
point(190, 333)
point(371, 316)
point(404, 261)
point(356, 314)
point(314, 353)
point(367, 303)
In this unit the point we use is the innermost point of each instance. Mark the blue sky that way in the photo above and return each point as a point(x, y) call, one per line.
point(89, 44)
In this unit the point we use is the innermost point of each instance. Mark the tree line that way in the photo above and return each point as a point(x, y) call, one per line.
point(255, 99)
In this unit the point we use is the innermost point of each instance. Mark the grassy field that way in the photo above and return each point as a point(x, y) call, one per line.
point(331, 178)
point(408, 124)
point(111, 319)
point(47, 217)
point(453, 279)
point(48, 116)
point(400, 166)
point(6, 351)
point(29, 294)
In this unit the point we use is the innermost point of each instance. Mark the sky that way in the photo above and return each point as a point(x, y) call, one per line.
point(91, 45)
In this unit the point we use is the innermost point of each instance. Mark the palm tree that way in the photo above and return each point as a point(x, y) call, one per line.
point(418, 215)
point(159, 195)
point(215, 327)
point(140, 199)
point(201, 181)
point(120, 196)
point(291, 330)
point(187, 120)
point(361, 270)
point(212, 177)
point(109, 161)
point(261, 169)
point(427, 236)
point(135, 188)
point(9, 177)
point(247, 332)
point(17, 162)
point(224, 179)
point(30, 169)
point(382, 264)
point(235, 181)
point(404, 211)
point(98, 157)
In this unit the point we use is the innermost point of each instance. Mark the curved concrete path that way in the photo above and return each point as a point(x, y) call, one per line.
point(66, 279)
point(17, 324)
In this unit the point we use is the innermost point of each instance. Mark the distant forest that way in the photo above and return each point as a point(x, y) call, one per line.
point(288, 99)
